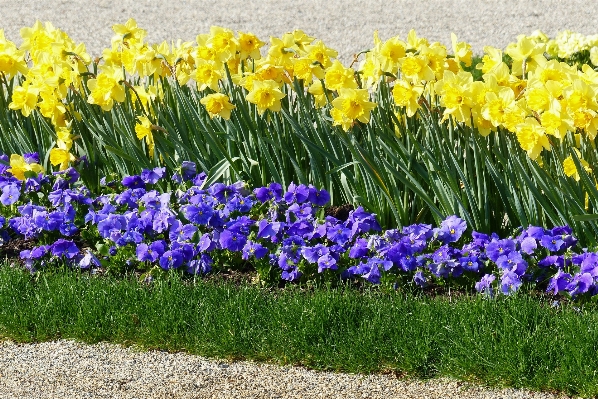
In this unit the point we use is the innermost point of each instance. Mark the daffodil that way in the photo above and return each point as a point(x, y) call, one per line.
point(338, 77)
point(12, 60)
point(301, 40)
point(281, 50)
point(407, 95)
point(340, 119)
point(556, 123)
point(580, 96)
point(461, 50)
point(497, 104)
point(492, 57)
point(106, 88)
point(52, 108)
point(128, 33)
point(532, 138)
point(455, 95)
point(416, 69)
point(500, 73)
point(203, 52)
point(249, 46)
point(570, 168)
point(268, 70)
point(144, 131)
point(24, 98)
point(587, 120)
point(371, 71)
point(39, 40)
point(390, 54)
point(207, 74)
point(435, 56)
point(351, 105)
point(223, 42)
point(265, 95)
point(18, 167)
point(414, 42)
point(320, 53)
point(61, 155)
point(303, 69)
point(217, 104)
point(527, 54)
point(317, 90)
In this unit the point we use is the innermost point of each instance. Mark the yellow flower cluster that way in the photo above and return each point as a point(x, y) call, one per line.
point(536, 98)
point(56, 66)
point(266, 79)
point(567, 43)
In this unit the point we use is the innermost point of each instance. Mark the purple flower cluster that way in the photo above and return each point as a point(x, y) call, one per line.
point(197, 228)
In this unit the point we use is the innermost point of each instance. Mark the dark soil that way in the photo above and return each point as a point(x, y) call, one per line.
point(340, 212)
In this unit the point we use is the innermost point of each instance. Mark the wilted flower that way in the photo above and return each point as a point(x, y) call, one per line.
point(485, 284)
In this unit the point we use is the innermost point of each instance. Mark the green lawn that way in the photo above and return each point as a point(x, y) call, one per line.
point(518, 341)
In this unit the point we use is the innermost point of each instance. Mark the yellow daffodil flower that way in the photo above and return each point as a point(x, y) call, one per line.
point(390, 54)
point(497, 104)
point(106, 88)
point(129, 34)
point(371, 72)
point(208, 74)
point(12, 60)
point(18, 167)
point(569, 166)
point(144, 131)
point(303, 69)
point(352, 104)
point(416, 69)
point(320, 53)
point(24, 98)
point(461, 50)
point(217, 104)
point(317, 90)
point(338, 77)
point(492, 57)
point(249, 46)
point(282, 50)
point(265, 95)
point(532, 138)
point(223, 42)
point(407, 95)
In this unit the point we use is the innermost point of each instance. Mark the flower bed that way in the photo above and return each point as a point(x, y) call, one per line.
point(135, 225)
point(412, 130)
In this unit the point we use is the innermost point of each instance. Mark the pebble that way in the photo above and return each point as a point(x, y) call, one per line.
point(69, 369)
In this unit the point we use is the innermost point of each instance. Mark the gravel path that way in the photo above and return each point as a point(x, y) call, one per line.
point(66, 369)
point(345, 25)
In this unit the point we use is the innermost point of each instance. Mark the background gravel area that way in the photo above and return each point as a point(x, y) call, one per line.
point(345, 25)
point(66, 369)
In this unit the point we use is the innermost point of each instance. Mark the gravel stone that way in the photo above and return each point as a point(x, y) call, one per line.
point(69, 369)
